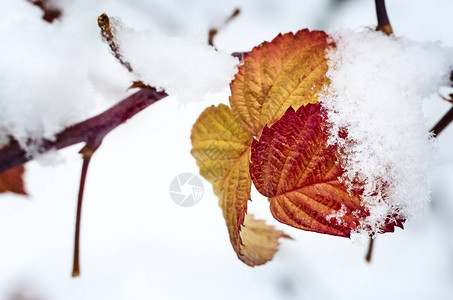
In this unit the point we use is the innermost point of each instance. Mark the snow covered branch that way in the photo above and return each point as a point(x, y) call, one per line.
point(90, 131)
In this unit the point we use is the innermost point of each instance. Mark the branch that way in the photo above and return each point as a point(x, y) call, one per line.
point(214, 31)
point(90, 131)
point(443, 123)
point(369, 253)
point(383, 20)
point(50, 13)
point(239, 55)
point(385, 27)
point(107, 35)
point(76, 260)
point(448, 117)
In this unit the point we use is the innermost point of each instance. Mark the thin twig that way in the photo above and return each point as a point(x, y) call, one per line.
point(213, 31)
point(108, 30)
point(369, 253)
point(447, 118)
point(108, 34)
point(50, 13)
point(382, 18)
point(76, 259)
point(385, 27)
point(443, 123)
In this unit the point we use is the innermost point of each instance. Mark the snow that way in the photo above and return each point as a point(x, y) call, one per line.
point(48, 80)
point(40, 91)
point(55, 74)
point(378, 85)
point(338, 215)
point(136, 243)
point(187, 68)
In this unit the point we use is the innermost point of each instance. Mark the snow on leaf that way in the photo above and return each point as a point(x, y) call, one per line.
point(222, 151)
point(378, 92)
point(293, 165)
point(298, 170)
point(289, 71)
point(12, 181)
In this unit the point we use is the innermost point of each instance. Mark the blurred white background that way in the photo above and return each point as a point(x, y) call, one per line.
point(137, 244)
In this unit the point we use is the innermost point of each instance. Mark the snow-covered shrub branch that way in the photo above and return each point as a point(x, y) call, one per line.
point(90, 131)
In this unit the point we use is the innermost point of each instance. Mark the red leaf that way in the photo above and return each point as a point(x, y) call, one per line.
point(293, 165)
point(12, 181)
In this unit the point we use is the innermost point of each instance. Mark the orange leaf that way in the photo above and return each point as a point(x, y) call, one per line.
point(222, 151)
point(12, 181)
point(289, 71)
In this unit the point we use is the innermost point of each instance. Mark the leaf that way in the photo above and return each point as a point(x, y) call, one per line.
point(222, 151)
point(218, 142)
point(12, 181)
point(293, 165)
point(260, 241)
point(289, 71)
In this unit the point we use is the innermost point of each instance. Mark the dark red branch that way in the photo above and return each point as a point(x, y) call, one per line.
point(90, 131)
point(239, 55)
point(369, 253)
point(447, 118)
point(50, 13)
point(443, 123)
point(214, 31)
point(382, 17)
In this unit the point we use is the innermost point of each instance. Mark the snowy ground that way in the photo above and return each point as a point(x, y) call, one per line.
point(136, 243)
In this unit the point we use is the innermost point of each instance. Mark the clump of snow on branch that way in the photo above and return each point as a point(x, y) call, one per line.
point(48, 75)
point(55, 75)
point(41, 90)
point(187, 68)
point(378, 84)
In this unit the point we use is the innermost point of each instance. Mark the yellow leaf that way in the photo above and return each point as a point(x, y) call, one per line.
point(289, 71)
point(260, 241)
point(222, 151)
point(217, 142)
